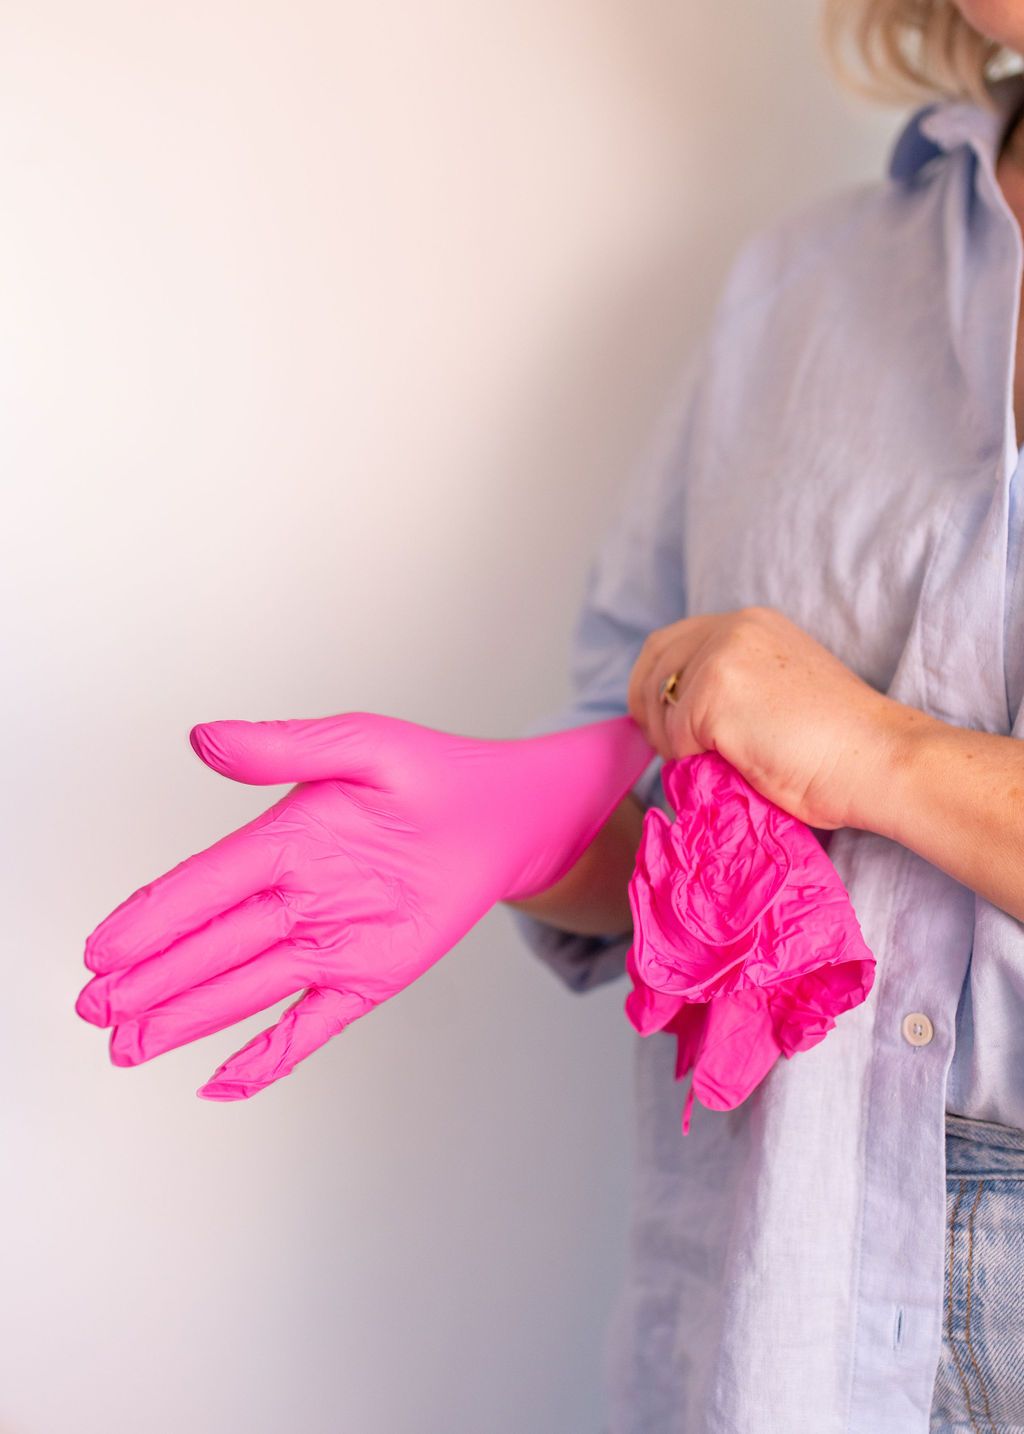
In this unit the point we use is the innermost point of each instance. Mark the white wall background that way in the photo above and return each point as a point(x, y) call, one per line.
point(327, 334)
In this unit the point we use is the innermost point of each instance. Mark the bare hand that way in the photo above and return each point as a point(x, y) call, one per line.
point(803, 729)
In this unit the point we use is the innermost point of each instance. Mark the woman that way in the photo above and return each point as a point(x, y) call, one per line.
point(825, 549)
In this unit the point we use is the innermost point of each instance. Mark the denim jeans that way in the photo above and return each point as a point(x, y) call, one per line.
point(979, 1384)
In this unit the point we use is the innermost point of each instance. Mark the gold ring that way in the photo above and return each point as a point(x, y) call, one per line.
point(667, 690)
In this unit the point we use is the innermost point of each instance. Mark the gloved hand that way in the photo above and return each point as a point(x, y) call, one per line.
point(396, 841)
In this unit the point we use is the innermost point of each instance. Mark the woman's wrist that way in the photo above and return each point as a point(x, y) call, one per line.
point(592, 898)
point(887, 789)
point(892, 800)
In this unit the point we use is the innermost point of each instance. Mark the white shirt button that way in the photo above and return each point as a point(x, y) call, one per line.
point(917, 1028)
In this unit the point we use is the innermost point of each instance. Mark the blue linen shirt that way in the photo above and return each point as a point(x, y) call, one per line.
point(841, 446)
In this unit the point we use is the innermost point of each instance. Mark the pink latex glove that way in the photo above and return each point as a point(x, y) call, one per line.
point(745, 943)
point(398, 839)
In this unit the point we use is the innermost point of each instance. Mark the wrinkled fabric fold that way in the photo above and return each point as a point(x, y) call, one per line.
point(745, 943)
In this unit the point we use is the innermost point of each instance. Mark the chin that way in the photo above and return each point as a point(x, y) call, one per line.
point(1000, 20)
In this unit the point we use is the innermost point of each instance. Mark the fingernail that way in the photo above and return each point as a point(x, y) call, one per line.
point(92, 1007)
point(226, 1090)
point(89, 955)
point(126, 1045)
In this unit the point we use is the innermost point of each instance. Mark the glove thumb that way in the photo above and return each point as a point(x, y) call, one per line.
point(300, 750)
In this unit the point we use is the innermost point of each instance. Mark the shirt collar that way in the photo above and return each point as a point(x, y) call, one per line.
point(945, 125)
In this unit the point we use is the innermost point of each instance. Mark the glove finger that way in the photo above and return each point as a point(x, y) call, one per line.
point(306, 1025)
point(222, 1001)
point(183, 900)
point(227, 941)
point(647, 1010)
point(737, 1049)
point(299, 750)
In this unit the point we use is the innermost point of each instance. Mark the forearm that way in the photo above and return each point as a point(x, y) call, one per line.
point(592, 898)
point(956, 797)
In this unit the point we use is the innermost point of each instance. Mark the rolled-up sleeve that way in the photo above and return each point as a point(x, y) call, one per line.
point(636, 582)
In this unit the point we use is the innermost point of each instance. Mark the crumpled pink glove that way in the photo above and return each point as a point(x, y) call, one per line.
point(745, 943)
point(396, 841)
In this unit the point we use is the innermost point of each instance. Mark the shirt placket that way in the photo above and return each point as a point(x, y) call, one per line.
point(954, 668)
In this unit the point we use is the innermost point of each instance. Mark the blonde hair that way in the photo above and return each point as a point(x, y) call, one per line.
point(911, 50)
